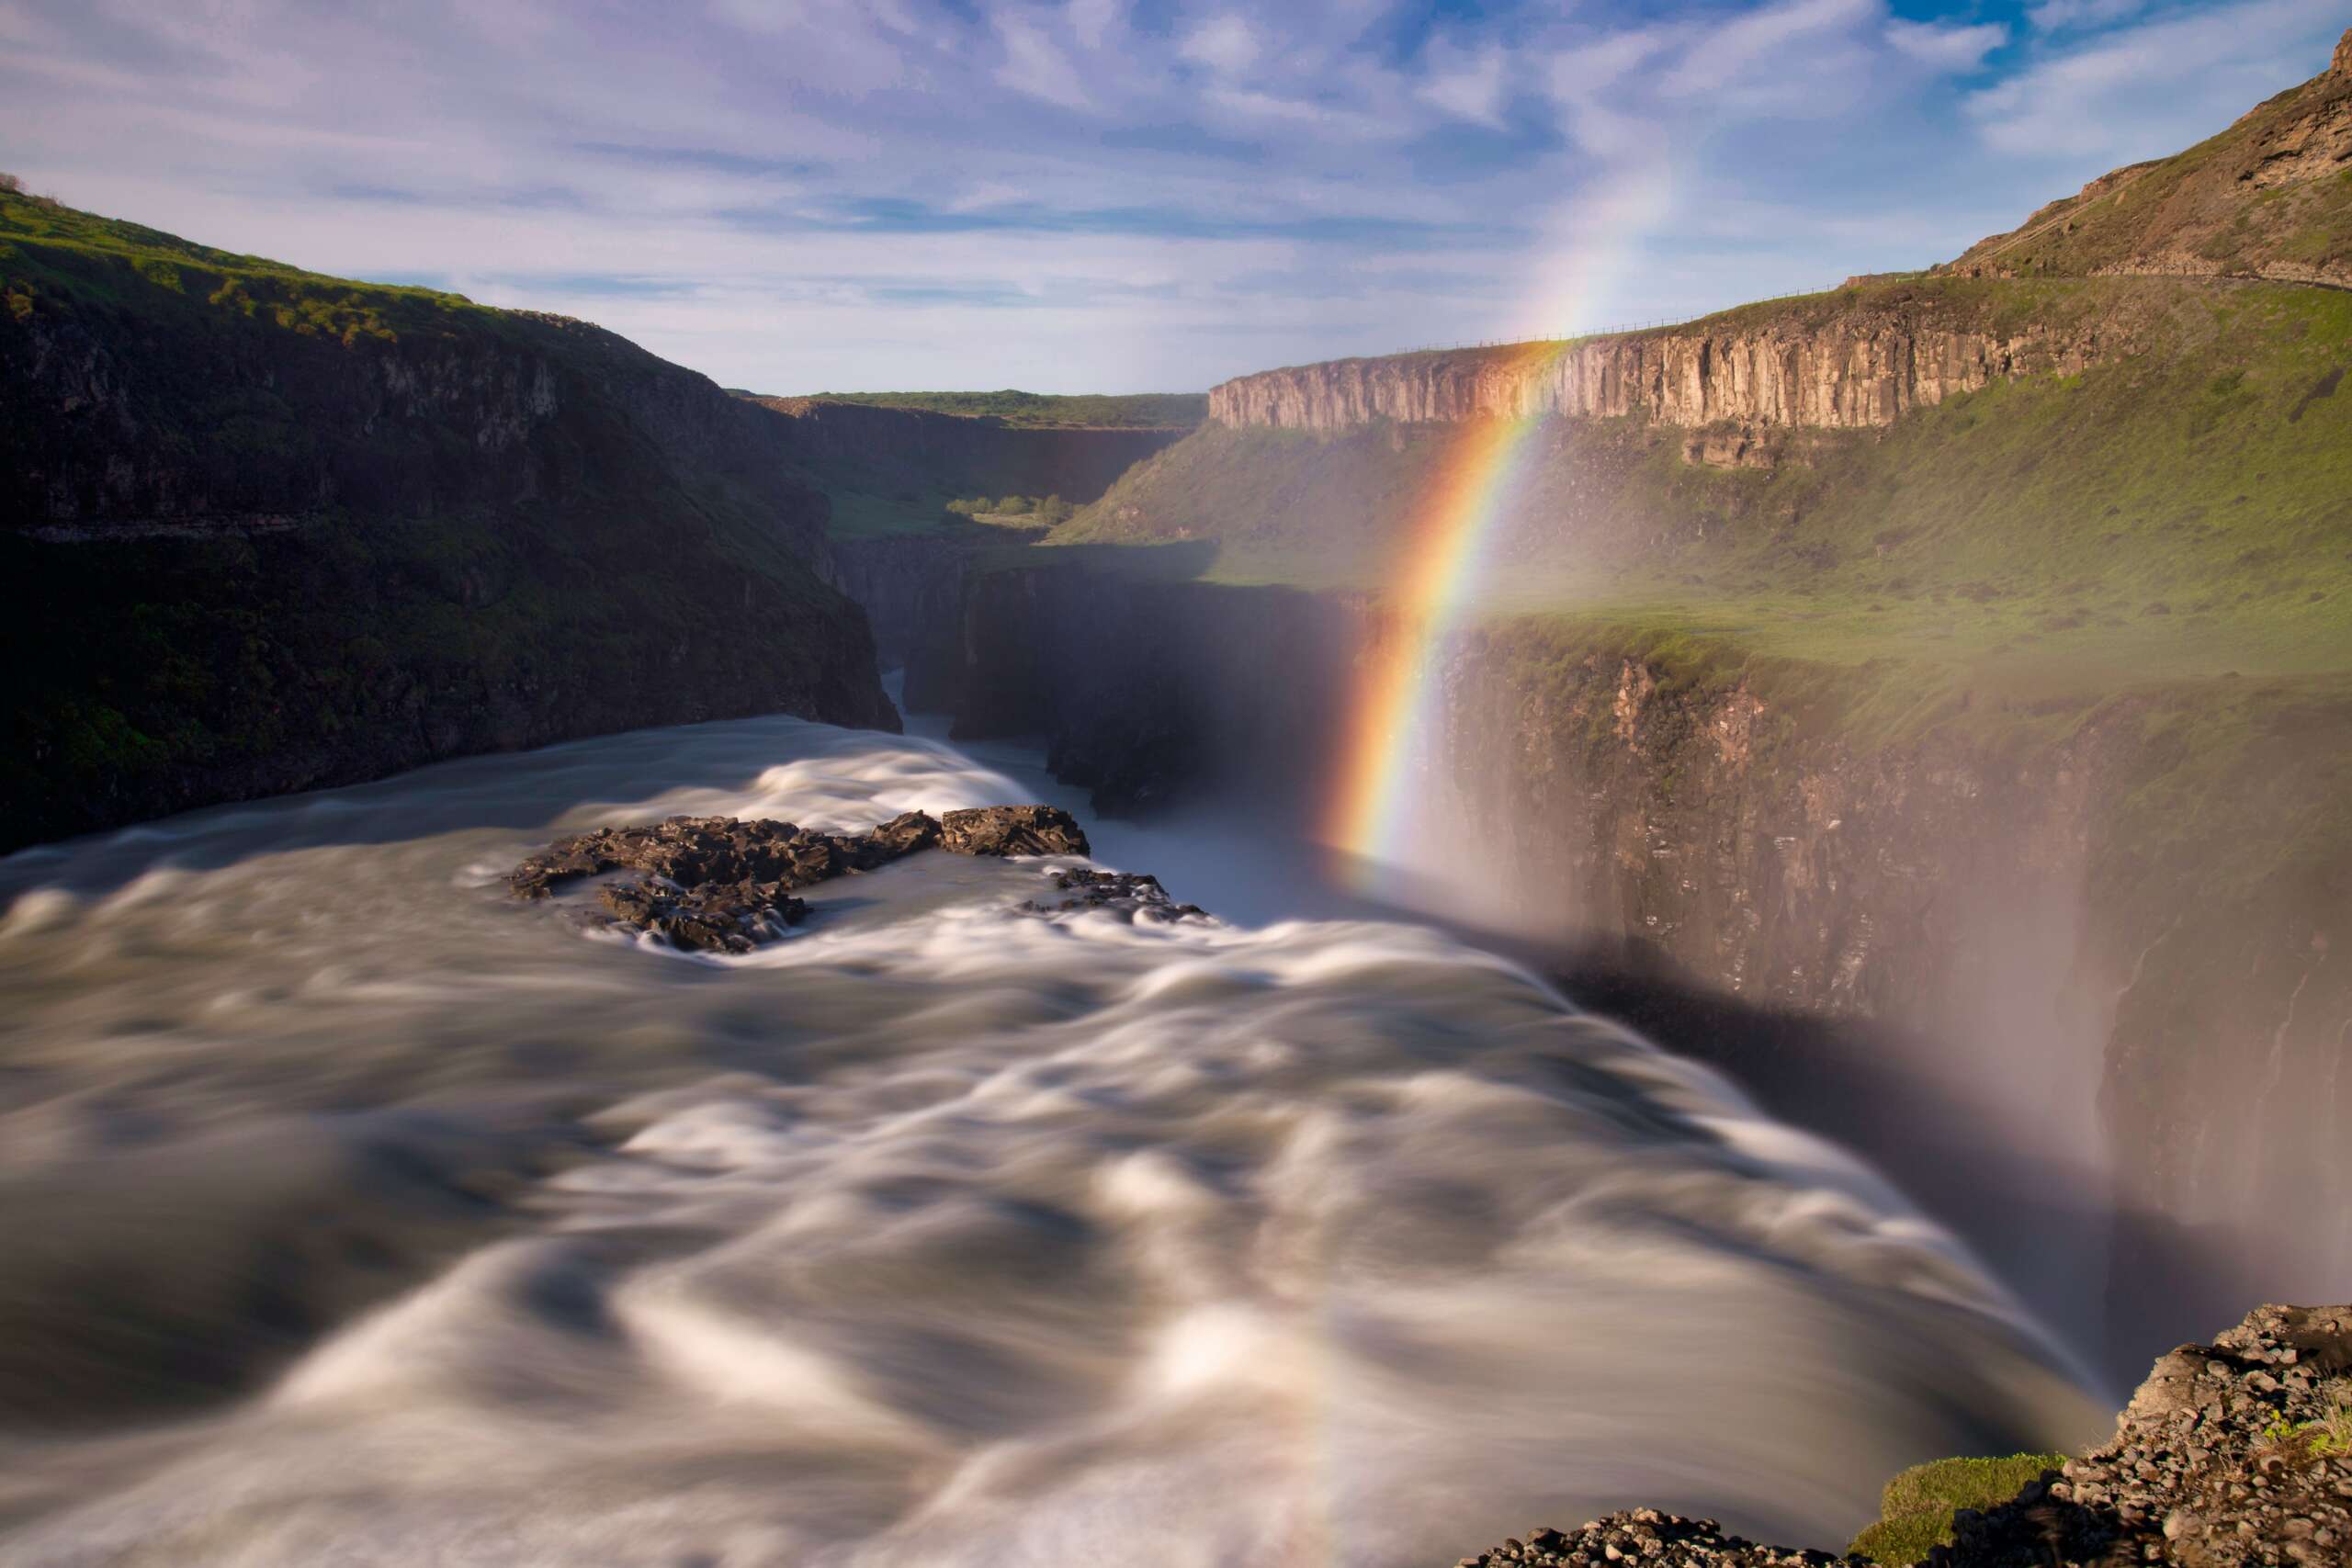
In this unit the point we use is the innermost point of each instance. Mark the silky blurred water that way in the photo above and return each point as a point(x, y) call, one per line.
point(362, 1214)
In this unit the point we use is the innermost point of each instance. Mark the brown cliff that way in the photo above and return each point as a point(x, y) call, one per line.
point(1856, 361)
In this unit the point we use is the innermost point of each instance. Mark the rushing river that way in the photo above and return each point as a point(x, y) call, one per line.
point(357, 1214)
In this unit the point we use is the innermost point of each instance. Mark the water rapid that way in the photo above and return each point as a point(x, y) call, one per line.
point(359, 1214)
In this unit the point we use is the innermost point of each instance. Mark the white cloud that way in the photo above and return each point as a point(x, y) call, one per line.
point(1586, 67)
point(2060, 16)
point(792, 194)
point(1090, 21)
point(2148, 90)
point(1225, 43)
point(1466, 83)
point(1734, 53)
point(1957, 50)
point(1035, 64)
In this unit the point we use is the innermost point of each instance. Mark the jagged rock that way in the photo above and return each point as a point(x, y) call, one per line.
point(693, 851)
point(2239, 1452)
point(1645, 1537)
point(1012, 830)
point(1128, 896)
point(719, 884)
point(2231, 1455)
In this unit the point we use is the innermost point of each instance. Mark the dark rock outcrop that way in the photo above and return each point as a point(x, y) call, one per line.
point(1643, 1537)
point(2231, 1455)
point(1130, 897)
point(1011, 830)
point(720, 884)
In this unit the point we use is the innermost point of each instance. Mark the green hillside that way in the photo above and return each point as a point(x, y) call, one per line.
point(66, 258)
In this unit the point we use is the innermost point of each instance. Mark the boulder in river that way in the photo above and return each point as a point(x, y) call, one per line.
point(1129, 895)
point(720, 883)
point(1012, 830)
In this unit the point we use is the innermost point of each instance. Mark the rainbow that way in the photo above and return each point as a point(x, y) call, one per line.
point(1439, 573)
point(1440, 570)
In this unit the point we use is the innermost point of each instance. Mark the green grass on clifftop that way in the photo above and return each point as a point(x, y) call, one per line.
point(1917, 1508)
point(83, 262)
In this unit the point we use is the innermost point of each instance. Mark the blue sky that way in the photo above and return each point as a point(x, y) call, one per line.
point(1110, 194)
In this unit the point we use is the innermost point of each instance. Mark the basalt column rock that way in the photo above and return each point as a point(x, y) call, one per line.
point(1859, 369)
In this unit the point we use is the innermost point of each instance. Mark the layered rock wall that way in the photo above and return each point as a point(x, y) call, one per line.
point(1859, 371)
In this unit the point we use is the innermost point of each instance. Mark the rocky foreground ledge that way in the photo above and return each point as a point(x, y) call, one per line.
point(2233, 1453)
point(723, 884)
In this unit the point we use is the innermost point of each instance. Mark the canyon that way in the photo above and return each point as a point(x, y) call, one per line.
point(1995, 803)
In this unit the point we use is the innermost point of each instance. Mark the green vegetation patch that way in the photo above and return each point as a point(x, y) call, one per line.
point(1091, 411)
point(1916, 1507)
point(57, 260)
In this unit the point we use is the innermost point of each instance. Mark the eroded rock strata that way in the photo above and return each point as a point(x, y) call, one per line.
point(721, 884)
point(1860, 368)
point(2231, 1455)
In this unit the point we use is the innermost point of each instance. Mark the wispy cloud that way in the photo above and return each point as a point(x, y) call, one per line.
point(2125, 93)
point(1947, 48)
point(1075, 194)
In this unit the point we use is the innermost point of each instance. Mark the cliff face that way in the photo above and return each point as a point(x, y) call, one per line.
point(261, 531)
point(2051, 927)
point(115, 434)
point(1861, 369)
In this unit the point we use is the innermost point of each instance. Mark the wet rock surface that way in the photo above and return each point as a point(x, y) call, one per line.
point(1129, 897)
point(721, 884)
point(2229, 1455)
point(1011, 830)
